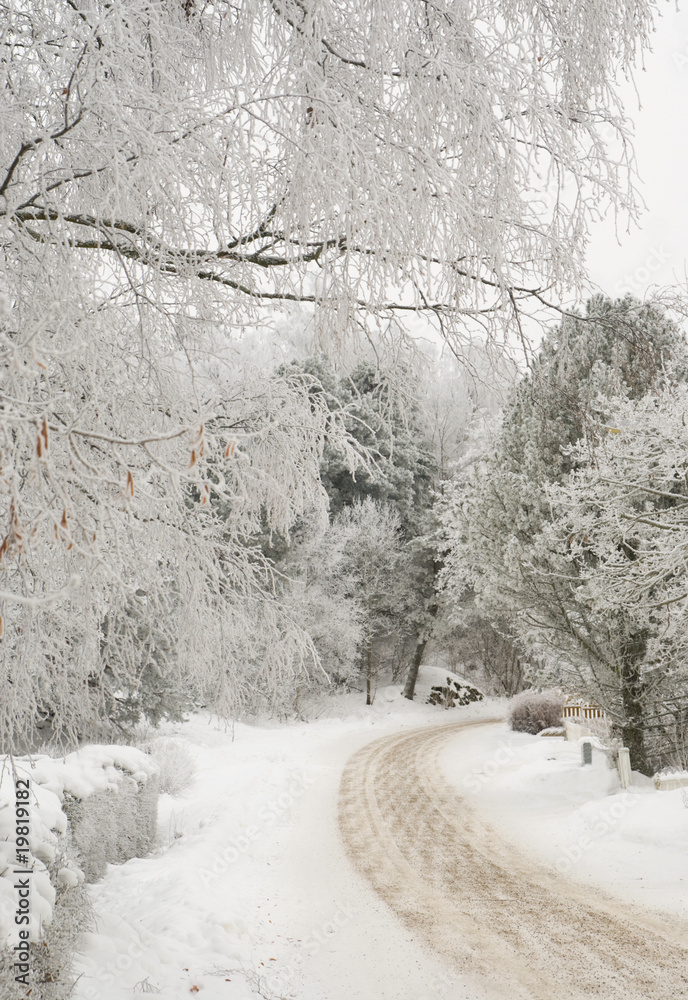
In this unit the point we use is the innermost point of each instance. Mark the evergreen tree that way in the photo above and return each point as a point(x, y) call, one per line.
point(506, 543)
point(171, 172)
point(398, 471)
point(617, 348)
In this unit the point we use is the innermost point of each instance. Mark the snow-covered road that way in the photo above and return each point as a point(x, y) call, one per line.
point(251, 888)
point(492, 914)
point(351, 858)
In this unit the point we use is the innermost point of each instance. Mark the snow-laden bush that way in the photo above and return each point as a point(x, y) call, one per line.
point(51, 974)
point(112, 826)
point(533, 711)
point(59, 909)
point(110, 800)
point(176, 763)
point(94, 806)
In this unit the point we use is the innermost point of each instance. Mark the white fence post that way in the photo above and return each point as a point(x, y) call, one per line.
point(624, 766)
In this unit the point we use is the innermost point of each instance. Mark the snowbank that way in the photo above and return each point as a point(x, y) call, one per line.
point(47, 823)
point(577, 819)
point(251, 893)
point(91, 769)
point(668, 780)
point(76, 792)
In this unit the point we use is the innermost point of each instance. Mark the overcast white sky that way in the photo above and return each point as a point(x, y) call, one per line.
point(657, 252)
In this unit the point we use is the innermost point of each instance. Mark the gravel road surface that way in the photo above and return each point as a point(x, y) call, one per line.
point(491, 913)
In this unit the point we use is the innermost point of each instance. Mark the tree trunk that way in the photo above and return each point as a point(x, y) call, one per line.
point(369, 670)
point(410, 686)
point(633, 728)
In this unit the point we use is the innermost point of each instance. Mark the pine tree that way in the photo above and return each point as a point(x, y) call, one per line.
point(508, 544)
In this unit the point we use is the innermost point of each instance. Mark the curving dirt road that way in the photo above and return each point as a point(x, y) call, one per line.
point(491, 913)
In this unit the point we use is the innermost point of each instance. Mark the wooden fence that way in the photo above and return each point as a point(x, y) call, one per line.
point(582, 710)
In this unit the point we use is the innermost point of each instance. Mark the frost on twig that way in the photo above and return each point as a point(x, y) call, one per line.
point(171, 173)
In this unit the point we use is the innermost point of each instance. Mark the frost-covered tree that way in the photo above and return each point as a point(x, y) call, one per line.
point(619, 347)
point(369, 158)
point(383, 412)
point(510, 553)
point(374, 559)
point(320, 591)
point(169, 169)
point(383, 416)
point(459, 400)
point(349, 582)
point(620, 522)
point(137, 656)
point(120, 499)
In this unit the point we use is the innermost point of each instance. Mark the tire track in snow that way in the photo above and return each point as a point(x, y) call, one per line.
point(485, 908)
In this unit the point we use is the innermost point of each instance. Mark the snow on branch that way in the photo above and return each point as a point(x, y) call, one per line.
point(169, 174)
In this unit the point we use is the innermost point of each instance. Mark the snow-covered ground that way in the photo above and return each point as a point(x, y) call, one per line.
point(37, 787)
point(251, 893)
point(577, 820)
